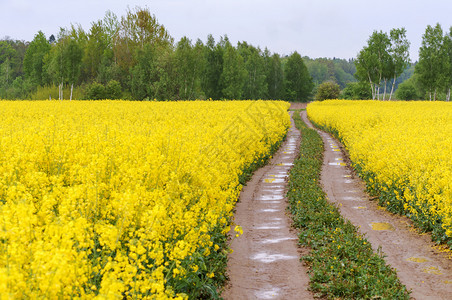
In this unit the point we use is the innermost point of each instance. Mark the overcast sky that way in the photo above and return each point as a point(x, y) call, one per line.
point(316, 28)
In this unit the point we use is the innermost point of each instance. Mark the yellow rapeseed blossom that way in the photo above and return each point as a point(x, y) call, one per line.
point(117, 199)
point(403, 150)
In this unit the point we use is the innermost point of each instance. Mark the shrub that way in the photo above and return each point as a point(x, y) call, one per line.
point(406, 91)
point(113, 90)
point(328, 90)
point(95, 91)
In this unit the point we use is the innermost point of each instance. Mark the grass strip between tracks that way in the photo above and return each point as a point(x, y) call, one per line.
point(341, 261)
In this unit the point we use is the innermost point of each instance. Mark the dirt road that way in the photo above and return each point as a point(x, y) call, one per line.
point(266, 263)
point(424, 270)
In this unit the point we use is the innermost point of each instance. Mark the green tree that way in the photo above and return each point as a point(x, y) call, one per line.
point(96, 46)
point(431, 60)
point(7, 53)
point(113, 90)
point(189, 65)
point(34, 59)
point(137, 29)
point(274, 76)
point(297, 80)
point(63, 63)
point(357, 91)
point(213, 58)
point(407, 91)
point(400, 55)
point(145, 74)
point(446, 78)
point(374, 63)
point(255, 86)
point(234, 73)
point(73, 54)
point(328, 90)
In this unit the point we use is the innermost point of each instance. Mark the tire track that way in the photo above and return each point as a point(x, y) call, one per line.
point(421, 268)
point(266, 263)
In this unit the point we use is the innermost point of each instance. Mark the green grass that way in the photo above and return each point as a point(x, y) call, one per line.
point(341, 261)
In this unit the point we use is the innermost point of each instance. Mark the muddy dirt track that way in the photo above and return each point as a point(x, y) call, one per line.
point(424, 270)
point(265, 262)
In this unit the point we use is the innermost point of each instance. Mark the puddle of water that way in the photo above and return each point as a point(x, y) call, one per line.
point(268, 227)
point(273, 191)
point(348, 181)
point(347, 198)
point(338, 158)
point(277, 240)
point(273, 202)
point(359, 207)
point(281, 175)
point(270, 210)
point(273, 180)
point(337, 164)
point(269, 258)
point(432, 270)
point(381, 226)
point(270, 197)
point(271, 293)
point(417, 259)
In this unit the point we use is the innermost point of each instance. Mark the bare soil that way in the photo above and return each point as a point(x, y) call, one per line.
point(298, 105)
point(266, 263)
point(420, 266)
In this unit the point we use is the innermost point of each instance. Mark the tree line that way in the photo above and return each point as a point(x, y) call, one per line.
point(134, 57)
point(384, 63)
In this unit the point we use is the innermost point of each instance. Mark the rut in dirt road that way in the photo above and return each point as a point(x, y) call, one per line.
point(421, 268)
point(266, 263)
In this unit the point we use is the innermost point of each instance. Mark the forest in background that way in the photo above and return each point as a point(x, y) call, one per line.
point(134, 57)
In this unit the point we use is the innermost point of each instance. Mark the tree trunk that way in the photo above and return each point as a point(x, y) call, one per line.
point(72, 88)
point(392, 88)
point(448, 95)
point(434, 95)
point(384, 93)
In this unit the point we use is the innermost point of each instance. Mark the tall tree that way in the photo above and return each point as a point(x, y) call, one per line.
point(136, 29)
point(34, 57)
point(297, 80)
point(367, 69)
point(374, 63)
point(96, 46)
point(255, 86)
point(274, 76)
point(446, 57)
point(399, 52)
point(234, 73)
point(430, 60)
point(188, 60)
point(73, 54)
point(7, 53)
point(213, 57)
